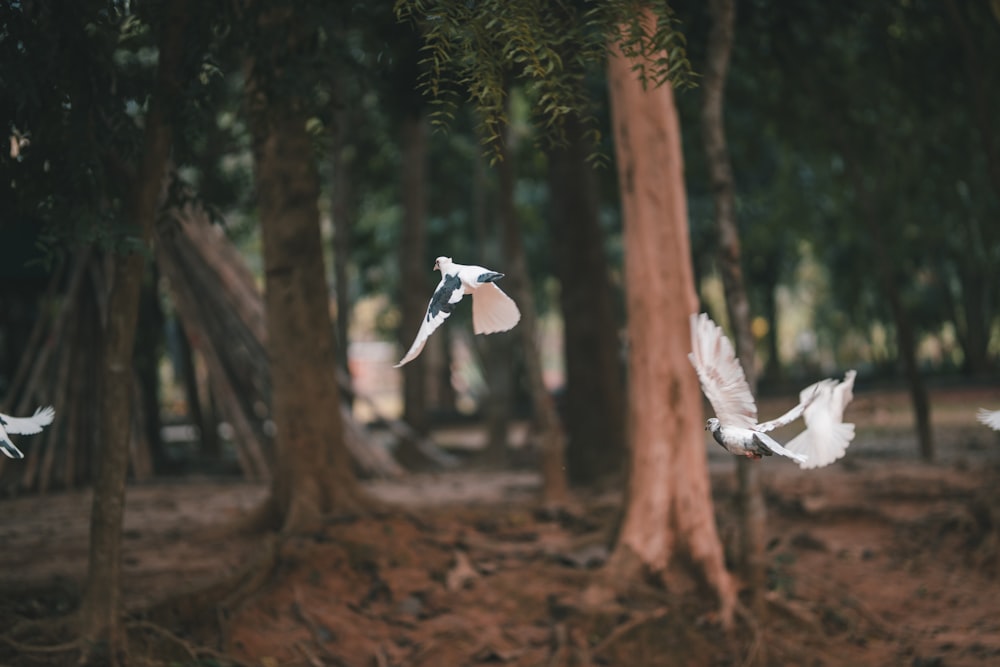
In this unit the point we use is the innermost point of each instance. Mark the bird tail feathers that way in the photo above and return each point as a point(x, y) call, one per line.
point(776, 447)
point(822, 446)
point(10, 450)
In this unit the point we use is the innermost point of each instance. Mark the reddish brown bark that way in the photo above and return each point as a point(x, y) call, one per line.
point(669, 509)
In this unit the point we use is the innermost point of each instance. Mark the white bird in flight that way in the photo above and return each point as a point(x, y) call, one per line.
point(826, 437)
point(735, 425)
point(989, 417)
point(492, 310)
point(23, 426)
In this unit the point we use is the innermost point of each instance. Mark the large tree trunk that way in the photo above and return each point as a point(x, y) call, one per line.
point(750, 499)
point(555, 487)
point(668, 507)
point(100, 614)
point(594, 387)
point(312, 476)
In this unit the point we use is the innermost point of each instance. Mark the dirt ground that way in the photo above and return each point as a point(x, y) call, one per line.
point(876, 560)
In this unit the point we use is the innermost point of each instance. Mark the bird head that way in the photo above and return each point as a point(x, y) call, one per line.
point(712, 425)
point(441, 262)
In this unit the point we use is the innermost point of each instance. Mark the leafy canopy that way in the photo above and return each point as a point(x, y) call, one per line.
point(548, 45)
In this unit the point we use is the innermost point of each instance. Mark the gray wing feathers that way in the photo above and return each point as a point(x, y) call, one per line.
point(775, 447)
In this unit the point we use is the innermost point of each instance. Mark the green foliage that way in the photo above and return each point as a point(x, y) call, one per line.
point(75, 81)
point(478, 49)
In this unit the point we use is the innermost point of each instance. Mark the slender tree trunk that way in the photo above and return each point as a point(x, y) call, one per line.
point(750, 499)
point(907, 346)
point(414, 273)
point(313, 475)
point(974, 325)
point(555, 487)
point(147, 357)
point(885, 268)
point(496, 353)
point(594, 387)
point(342, 206)
point(440, 391)
point(201, 411)
point(772, 370)
point(668, 505)
point(100, 612)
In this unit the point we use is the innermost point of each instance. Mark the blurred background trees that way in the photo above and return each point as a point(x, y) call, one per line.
point(887, 119)
point(866, 193)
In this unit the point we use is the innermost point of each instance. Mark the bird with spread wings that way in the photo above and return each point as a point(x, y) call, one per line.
point(492, 310)
point(735, 424)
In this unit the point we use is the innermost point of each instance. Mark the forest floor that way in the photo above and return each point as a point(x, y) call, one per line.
point(877, 559)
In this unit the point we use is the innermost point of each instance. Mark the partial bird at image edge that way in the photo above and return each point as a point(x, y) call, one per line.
point(23, 426)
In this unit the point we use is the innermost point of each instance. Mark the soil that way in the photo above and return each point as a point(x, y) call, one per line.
point(878, 559)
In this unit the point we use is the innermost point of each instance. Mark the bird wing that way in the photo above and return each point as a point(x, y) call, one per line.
point(826, 436)
point(448, 293)
point(806, 397)
point(720, 374)
point(990, 418)
point(775, 446)
point(28, 425)
point(493, 310)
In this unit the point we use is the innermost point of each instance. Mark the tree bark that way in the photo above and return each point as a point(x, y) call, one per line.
point(312, 476)
point(414, 271)
point(594, 386)
point(343, 209)
point(750, 499)
point(668, 507)
point(100, 614)
point(201, 410)
point(555, 486)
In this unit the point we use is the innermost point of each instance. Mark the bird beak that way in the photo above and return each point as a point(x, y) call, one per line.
point(435, 265)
